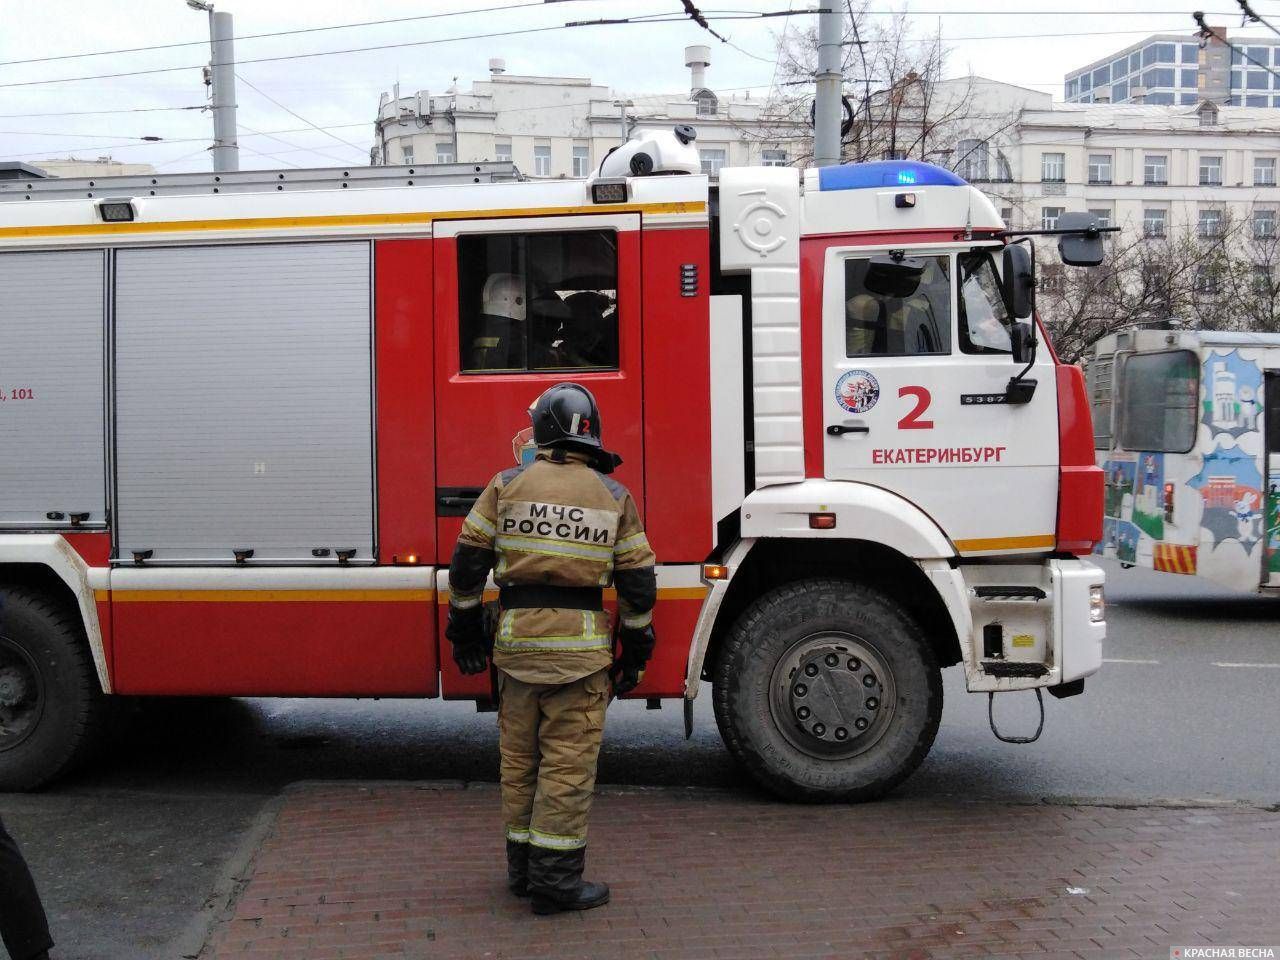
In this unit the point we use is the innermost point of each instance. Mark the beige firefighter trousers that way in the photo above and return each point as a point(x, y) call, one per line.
point(549, 738)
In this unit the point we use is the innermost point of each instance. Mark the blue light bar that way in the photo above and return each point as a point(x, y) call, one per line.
point(886, 173)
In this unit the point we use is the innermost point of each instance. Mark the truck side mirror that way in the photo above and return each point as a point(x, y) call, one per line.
point(1022, 339)
point(1018, 281)
point(1082, 247)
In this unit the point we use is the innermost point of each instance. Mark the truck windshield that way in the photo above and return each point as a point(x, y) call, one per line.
point(984, 322)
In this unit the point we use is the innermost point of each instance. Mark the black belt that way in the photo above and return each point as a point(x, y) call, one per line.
point(565, 598)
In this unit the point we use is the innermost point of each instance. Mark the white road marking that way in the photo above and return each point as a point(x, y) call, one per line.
point(1261, 666)
point(1130, 661)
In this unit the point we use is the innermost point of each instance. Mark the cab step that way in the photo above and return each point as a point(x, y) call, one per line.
point(997, 594)
point(1009, 668)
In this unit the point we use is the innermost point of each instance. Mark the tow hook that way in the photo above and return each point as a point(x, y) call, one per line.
point(991, 719)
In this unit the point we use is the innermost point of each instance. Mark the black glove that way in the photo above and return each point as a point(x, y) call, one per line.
point(466, 632)
point(637, 647)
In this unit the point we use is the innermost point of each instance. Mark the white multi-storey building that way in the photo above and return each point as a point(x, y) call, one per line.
point(563, 126)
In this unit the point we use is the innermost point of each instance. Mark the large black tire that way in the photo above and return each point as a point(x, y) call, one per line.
point(827, 690)
point(51, 705)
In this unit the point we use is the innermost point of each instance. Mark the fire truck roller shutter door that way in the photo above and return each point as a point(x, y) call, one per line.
point(243, 402)
point(52, 329)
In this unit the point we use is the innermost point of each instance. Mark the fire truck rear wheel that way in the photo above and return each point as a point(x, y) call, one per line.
point(51, 706)
point(827, 690)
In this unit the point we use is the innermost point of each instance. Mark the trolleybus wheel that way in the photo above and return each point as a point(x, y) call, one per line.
point(827, 690)
point(50, 701)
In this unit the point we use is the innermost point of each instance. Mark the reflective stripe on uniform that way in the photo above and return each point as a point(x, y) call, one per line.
point(518, 835)
point(587, 640)
point(555, 841)
point(639, 621)
point(464, 601)
point(554, 548)
point(480, 524)
point(633, 542)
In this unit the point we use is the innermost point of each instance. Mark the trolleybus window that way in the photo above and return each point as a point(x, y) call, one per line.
point(984, 322)
point(538, 301)
point(1158, 393)
point(879, 324)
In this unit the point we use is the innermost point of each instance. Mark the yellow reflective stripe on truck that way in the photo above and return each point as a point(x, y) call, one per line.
point(423, 218)
point(1034, 542)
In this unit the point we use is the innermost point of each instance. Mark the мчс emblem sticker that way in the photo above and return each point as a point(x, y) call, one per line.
point(857, 390)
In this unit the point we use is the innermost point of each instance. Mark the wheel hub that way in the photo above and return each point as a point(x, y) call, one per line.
point(13, 686)
point(832, 696)
point(21, 695)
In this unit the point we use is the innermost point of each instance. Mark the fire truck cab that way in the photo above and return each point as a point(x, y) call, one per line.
point(244, 415)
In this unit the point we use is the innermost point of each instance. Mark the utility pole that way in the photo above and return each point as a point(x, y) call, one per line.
point(622, 117)
point(222, 80)
point(828, 89)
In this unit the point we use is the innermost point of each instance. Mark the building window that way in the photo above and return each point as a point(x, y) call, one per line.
point(1155, 169)
point(1049, 217)
point(502, 151)
point(1262, 278)
point(542, 161)
point(1191, 53)
point(1210, 223)
point(1264, 171)
point(1103, 215)
point(444, 153)
point(1099, 168)
point(538, 301)
point(1264, 223)
point(1208, 114)
point(877, 323)
point(706, 103)
point(1053, 167)
point(1006, 214)
point(1189, 79)
point(773, 158)
point(1205, 281)
point(406, 153)
point(1210, 171)
point(712, 160)
point(972, 159)
point(581, 161)
point(1154, 222)
point(1158, 399)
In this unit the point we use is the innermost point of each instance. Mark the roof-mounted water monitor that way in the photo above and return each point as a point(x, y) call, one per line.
point(654, 152)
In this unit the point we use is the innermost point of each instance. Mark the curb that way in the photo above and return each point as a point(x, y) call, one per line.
point(229, 883)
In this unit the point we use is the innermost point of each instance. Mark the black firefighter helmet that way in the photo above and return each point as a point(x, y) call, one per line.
point(566, 417)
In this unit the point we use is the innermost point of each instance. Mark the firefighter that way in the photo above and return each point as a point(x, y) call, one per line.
point(23, 925)
point(558, 531)
point(500, 344)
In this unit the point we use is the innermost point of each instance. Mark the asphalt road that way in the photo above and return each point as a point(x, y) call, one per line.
point(128, 852)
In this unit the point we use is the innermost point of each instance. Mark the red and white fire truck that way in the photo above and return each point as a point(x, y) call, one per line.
point(243, 415)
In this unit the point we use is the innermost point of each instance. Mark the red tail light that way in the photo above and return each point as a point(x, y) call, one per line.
point(1079, 477)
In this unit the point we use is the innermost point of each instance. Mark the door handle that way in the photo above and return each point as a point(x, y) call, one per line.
point(839, 429)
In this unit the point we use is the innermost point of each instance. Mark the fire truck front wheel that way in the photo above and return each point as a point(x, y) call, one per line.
point(50, 702)
point(827, 690)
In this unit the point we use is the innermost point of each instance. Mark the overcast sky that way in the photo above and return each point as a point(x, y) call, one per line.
point(1027, 42)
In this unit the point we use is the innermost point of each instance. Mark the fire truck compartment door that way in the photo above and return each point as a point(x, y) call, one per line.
point(243, 403)
point(52, 330)
point(521, 304)
point(907, 409)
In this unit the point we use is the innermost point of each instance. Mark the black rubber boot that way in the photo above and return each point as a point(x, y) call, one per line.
point(518, 868)
point(555, 881)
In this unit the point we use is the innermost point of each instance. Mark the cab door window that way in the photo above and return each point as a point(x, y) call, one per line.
point(918, 322)
point(984, 321)
point(538, 301)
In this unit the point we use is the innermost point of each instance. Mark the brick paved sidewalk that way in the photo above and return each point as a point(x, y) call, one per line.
point(418, 871)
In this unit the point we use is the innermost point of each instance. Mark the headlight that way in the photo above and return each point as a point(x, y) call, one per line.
point(1097, 605)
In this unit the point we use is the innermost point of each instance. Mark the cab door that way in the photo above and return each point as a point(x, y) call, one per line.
point(915, 398)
